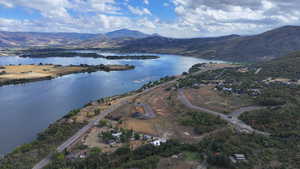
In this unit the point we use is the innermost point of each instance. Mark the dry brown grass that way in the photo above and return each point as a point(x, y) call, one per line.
point(142, 126)
point(36, 71)
point(211, 99)
point(92, 140)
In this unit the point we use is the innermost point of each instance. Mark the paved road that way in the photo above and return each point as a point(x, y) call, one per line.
point(242, 110)
point(86, 128)
point(230, 119)
point(149, 112)
point(79, 134)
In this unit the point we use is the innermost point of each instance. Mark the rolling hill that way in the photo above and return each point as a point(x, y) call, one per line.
point(30, 39)
point(126, 33)
point(254, 48)
point(265, 46)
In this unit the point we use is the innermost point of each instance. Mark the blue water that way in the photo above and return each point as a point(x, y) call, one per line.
point(27, 109)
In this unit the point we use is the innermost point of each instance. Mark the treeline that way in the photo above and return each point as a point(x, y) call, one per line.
point(145, 157)
point(65, 53)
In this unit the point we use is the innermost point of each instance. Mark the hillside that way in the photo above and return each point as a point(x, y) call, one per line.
point(255, 48)
point(216, 116)
point(126, 33)
point(282, 67)
point(20, 39)
point(29, 39)
point(265, 46)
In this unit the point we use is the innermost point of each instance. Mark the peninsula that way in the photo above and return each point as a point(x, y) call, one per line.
point(17, 74)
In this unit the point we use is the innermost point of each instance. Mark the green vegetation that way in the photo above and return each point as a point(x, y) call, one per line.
point(158, 82)
point(260, 151)
point(125, 136)
point(25, 156)
point(65, 53)
point(72, 113)
point(202, 122)
point(145, 157)
point(284, 67)
point(45, 54)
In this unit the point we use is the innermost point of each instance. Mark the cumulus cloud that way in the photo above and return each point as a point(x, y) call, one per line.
point(139, 11)
point(193, 17)
point(230, 16)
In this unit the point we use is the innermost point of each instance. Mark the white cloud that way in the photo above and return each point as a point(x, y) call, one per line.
point(146, 2)
point(139, 11)
point(235, 16)
point(194, 17)
point(6, 3)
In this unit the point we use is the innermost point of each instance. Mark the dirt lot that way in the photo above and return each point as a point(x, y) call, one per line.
point(168, 110)
point(211, 99)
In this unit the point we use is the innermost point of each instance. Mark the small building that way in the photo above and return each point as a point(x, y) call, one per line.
point(227, 89)
point(82, 156)
point(238, 158)
point(158, 142)
point(147, 137)
point(117, 135)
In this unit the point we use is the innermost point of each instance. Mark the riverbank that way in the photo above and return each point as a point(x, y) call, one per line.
point(18, 74)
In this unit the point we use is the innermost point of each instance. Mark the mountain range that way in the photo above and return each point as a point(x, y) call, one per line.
point(264, 46)
point(260, 47)
point(29, 39)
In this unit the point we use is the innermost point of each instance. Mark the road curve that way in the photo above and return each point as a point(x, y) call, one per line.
point(230, 119)
point(82, 131)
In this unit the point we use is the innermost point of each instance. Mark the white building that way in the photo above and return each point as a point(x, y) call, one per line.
point(158, 142)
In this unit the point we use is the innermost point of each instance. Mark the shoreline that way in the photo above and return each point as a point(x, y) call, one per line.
point(65, 120)
point(72, 128)
point(12, 74)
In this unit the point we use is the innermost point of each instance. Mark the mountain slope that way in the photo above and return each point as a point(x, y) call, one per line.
point(25, 39)
point(265, 46)
point(19, 39)
point(126, 33)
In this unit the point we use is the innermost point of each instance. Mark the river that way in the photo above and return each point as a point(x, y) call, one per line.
point(27, 109)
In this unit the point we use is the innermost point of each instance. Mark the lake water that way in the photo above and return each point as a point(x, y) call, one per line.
point(27, 109)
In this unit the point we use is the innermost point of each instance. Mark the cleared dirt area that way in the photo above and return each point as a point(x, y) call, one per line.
point(211, 99)
point(215, 66)
point(166, 124)
point(93, 140)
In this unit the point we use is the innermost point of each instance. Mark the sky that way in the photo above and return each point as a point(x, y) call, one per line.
point(172, 18)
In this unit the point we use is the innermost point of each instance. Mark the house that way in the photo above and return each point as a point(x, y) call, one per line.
point(82, 156)
point(158, 142)
point(238, 158)
point(147, 137)
point(117, 135)
point(227, 89)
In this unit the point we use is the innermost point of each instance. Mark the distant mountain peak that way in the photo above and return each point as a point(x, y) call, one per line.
point(126, 33)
